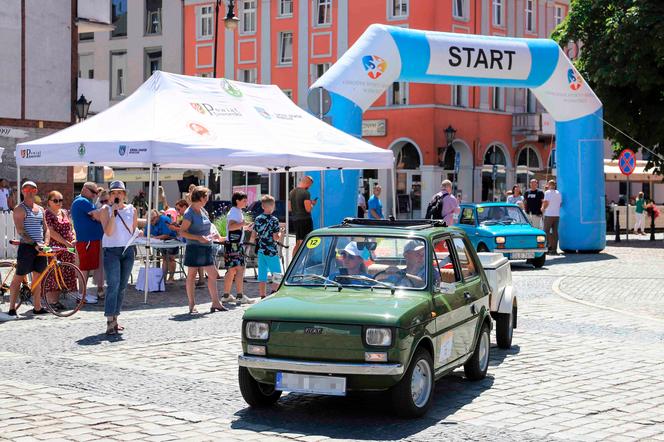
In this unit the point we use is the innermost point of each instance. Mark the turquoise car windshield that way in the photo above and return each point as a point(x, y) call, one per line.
point(360, 261)
point(501, 215)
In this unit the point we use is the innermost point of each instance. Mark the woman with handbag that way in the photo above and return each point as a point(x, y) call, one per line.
point(119, 220)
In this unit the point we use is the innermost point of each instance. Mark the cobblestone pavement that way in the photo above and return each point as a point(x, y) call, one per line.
point(575, 372)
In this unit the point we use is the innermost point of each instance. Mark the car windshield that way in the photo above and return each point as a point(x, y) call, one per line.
point(376, 262)
point(501, 215)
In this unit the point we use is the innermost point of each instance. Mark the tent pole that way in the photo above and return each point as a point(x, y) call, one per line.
point(286, 240)
point(322, 199)
point(147, 246)
point(18, 185)
point(269, 182)
point(246, 181)
point(394, 192)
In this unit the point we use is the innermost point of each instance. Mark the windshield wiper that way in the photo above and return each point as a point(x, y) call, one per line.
point(392, 287)
point(489, 221)
point(319, 277)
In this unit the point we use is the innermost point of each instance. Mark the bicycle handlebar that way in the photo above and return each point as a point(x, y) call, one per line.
point(46, 249)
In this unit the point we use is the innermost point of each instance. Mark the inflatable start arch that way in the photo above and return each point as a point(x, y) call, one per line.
point(385, 54)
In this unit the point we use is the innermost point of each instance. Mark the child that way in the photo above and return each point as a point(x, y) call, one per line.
point(266, 230)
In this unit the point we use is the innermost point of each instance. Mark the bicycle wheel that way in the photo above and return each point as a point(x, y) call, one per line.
point(70, 298)
point(24, 294)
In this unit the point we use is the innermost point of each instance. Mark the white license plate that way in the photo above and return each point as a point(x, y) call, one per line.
point(305, 383)
point(523, 255)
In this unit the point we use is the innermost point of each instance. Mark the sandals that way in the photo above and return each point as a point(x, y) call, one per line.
point(193, 311)
point(111, 327)
point(218, 309)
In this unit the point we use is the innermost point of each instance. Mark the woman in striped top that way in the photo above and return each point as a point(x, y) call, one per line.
point(33, 232)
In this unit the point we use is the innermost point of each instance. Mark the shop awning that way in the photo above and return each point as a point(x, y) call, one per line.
point(612, 172)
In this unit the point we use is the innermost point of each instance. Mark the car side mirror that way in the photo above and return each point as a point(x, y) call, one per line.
point(446, 288)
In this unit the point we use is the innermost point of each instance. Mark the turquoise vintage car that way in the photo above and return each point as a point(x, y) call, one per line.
point(370, 305)
point(504, 228)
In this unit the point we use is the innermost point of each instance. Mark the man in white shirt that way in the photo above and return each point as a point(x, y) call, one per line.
point(551, 210)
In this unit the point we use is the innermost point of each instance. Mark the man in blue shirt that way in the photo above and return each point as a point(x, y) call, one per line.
point(89, 233)
point(375, 206)
point(160, 230)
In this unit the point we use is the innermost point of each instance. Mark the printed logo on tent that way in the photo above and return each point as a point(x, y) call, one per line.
point(81, 150)
point(230, 89)
point(122, 149)
point(574, 79)
point(29, 153)
point(374, 65)
point(263, 113)
point(198, 108)
point(216, 111)
point(199, 129)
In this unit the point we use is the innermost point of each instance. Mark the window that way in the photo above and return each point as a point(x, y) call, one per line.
point(498, 102)
point(204, 23)
point(285, 8)
point(459, 96)
point(530, 19)
point(498, 12)
point(494, 174)
point(288, 92)
point(398, 8)
point(459, 8)
point(118, 74)
point(466, 263)
point(86, 64)
point(119, 18)
point(248, 16)
point(86, 36)
point(285, 48)
point(467, 216)
point(248, 75)
point(531, 102)
point(443, 262)
point(397, 95)
point(204, 74)
point(152, 61)
point(152, 17)
point(558, 16)
point(317, 70)
point(323, 12)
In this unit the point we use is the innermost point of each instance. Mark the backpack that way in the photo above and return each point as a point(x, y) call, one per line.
point(435, 207)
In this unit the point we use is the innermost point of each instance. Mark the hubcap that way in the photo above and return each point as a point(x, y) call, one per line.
point(484, 351)
point(420, 383)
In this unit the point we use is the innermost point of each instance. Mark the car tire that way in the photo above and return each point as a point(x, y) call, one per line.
point(256, 394)
point(505, 328)
point(538, 262)
point(476, 367)
point(481, 247)
point(412, 396)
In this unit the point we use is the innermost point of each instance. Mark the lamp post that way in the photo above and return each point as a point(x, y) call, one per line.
point(230, 23)
point(82, 108)
point(450, 135)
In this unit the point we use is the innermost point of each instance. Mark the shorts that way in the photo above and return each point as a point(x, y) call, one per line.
point(302, 228)
point(196, 255)
point(28, 260)
point(234, 255)
point(88, 254)
point(170, 251)
point(267, 264)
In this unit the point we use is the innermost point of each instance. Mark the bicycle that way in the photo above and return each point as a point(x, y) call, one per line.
point(70, 299)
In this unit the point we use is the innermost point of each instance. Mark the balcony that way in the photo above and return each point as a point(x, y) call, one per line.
point(534, 127)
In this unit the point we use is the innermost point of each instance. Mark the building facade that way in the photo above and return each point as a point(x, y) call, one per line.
point(38, 81)
point(503, 136)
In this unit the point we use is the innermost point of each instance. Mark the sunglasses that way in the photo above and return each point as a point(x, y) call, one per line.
point(94, 192)
point(30, 190)
point(103, 201)
point(346, 255)
point(56, 201)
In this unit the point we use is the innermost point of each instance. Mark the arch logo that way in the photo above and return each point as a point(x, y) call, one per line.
point(574, 79)
point(374, 65)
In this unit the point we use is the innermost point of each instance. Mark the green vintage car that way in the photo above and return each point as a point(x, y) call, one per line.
point(370, 306)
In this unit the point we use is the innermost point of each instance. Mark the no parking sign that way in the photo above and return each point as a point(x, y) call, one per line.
point(627, 162)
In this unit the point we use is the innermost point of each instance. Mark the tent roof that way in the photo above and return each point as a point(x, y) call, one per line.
point(193, 122)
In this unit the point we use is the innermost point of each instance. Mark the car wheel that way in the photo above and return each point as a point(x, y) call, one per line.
point(411, 397)
point(482, 248)
point(505, 328)
point(255, 393)
point(538, 262)
point(476, 367)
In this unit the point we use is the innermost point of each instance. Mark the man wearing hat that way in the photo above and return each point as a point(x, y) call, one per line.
point(89, 233)
point(33, 233)
point(413, 253)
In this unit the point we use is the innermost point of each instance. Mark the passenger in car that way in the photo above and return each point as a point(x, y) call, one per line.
point(353, 264)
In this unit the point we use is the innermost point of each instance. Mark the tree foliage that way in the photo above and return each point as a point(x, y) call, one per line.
point(622, 58)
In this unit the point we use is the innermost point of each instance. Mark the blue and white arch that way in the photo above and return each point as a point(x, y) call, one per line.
point(385, 54)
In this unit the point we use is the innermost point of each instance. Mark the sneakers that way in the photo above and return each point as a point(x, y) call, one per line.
point(90, 299)
point(227, 297)
point(241, 299)
point(41, 311)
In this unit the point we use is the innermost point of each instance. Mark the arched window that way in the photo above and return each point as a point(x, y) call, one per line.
point(408, 157)
point(495, 155)
point(494, 174)
point(527, 164)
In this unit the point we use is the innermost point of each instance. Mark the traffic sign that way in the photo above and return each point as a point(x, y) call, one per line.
point(319, 101)
point(457, 162)
point(627, 162)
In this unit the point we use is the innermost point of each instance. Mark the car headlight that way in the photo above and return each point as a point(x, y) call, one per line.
point(541, 238)
point(500, 240)
point(380, 337)
point(257, 330)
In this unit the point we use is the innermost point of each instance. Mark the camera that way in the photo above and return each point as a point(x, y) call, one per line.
point(116, 200)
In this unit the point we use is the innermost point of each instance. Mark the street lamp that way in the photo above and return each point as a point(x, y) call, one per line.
point(231, 21)
point(82, 107)
point(450, 135)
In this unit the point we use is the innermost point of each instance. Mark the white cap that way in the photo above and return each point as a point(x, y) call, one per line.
point(28, 183)
point(351, 249)
point(413, 245)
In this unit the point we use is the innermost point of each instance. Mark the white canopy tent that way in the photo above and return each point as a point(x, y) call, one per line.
point(179, 121)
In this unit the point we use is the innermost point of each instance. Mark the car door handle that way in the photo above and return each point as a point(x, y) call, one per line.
point(468, 297)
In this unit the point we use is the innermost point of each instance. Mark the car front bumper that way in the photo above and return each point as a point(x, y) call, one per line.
point(261, 363)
